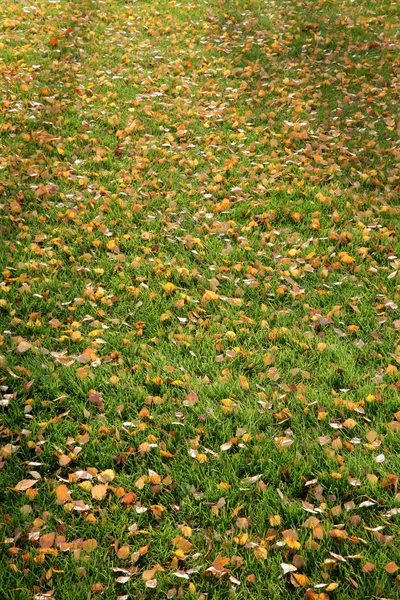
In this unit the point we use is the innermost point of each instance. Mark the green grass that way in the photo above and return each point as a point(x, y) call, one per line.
point(248, 149)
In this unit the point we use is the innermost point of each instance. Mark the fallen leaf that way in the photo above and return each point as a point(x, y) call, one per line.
point(23, 346)
point(62, 493)
point(47, 540)
point(89, 545)
point(391, 567)
point(25, 484)
point(99, 491)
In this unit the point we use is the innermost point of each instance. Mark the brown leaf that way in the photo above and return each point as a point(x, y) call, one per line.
point(368, 567)
point(25, 484)
point(23, 346)
point(338, 534)
point(47, 540)
point(98, 588)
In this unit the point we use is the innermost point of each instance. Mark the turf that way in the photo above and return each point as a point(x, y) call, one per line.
point(199, 300)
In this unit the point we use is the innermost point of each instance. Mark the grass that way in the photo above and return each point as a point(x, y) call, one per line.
point(199, 251)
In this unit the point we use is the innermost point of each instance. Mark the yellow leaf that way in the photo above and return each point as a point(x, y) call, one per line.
point(148, 574)
point(169, 288)
point(392, 371)
point(241, 539)
point(186, 531)
point(332, 586)
point(302, 580)
point(141, 482)
point(51, 551)
point(201, 458)
point(243, 382)
point(106, 476)
point(86, 486)
point(292, 543)
point(89, 545)
point(208, 296)
point(224, 485)
point(260, 552)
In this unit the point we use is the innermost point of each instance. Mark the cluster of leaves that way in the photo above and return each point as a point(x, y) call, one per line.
point(199, 300)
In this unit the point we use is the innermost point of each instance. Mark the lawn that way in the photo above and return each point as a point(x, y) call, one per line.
point(200, 334)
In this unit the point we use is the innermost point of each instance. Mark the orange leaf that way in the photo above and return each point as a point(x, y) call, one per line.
point(391, 567)
point(119, 492)
point(368, 567)
point(99, 491)
point(123, 552)
point(300, 579)
point(243, 382)
point(129, 498)
point(292, 543)
point(64, 460)
point(148, 574)
point(62, 493)
point(220, 562)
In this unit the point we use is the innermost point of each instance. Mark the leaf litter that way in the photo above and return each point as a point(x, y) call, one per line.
point(199, 370)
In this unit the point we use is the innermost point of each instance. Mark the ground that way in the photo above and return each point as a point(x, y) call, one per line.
point(200, 349)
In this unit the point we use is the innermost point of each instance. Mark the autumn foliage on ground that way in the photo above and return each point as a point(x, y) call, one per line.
point(199, 370)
